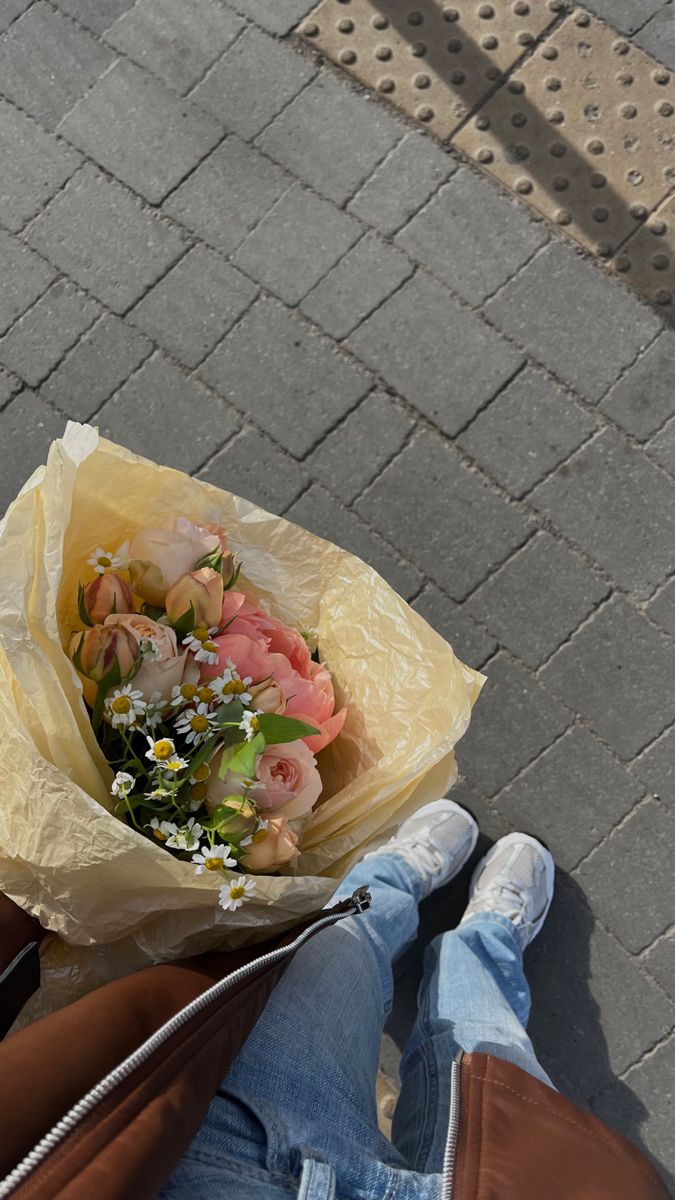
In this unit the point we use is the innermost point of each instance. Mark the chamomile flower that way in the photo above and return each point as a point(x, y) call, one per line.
point(160, 751)
point(186, 838)
point(195, 723)
point(104, 560)
point(122, 783)
point(231, 686)
point(125, 706)
point(154, 711)
point(201, 644)
point(162, 830)
point(250, 724)
point(174, 764)
point(201, 773)
point(213, 858)
point(183, 694)
point(233, 894)
point(150, 649)
point(259, 833)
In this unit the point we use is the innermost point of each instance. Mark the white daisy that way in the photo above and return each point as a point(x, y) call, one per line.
point(213, 858)
point(231, 686)
point(183, 694)
point(121, 784)
point(187, 838)
point(260, 829)
point(125, 706)
point(233, 894)
point(200, 643)
point(150, 649)
point(250, 723)
point(154, 710)
point(195, 723)
point(160, 751)
point(104, 560)
point(174, 764)
point(162, 830)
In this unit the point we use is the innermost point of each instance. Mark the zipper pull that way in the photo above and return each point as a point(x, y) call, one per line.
point(361, 899)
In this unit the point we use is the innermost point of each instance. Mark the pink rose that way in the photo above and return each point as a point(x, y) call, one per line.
point(158, 557)
point(163, 665)
point(106, 594)
point(288, 783)
point(271, 847)
point(254, 623)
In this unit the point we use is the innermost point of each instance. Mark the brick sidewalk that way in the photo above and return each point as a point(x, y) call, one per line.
point(236, 263)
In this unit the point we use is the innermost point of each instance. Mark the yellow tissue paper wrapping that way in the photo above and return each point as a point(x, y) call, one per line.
point(115, 900)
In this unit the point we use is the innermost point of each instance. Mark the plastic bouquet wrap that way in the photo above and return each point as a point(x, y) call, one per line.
point(206, 714)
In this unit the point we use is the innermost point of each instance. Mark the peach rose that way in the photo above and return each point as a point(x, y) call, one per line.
point(163, 665)
point(202, 592)
point(106, 594)
point(288, 782)
point(98, 650)
point(241, 615)
point(158, 557)
point(271, 847)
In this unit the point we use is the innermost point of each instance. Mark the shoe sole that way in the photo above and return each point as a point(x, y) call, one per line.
point(509, 840)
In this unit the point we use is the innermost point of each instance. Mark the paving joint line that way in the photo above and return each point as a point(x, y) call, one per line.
point(60, 278)
point(665, 935)
point(640, 804)
point(648, 1053)
point(212, 455)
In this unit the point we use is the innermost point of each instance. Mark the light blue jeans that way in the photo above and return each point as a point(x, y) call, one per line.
point(296, 1113)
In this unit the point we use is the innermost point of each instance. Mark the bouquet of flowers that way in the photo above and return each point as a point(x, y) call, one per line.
point(202, 730)
point(209, 709)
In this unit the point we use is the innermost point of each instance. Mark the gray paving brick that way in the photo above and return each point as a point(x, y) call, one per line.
point(97, 15)
point(96, 366)
point(546, 307)
point(34, 166)
point(412, 342)
point(369, 273)
point(47, 62)
point(643, 399)
point(357, 449)
point(314, 137)
point(660, 962)
point(443, 516)
point(279, 16)
point(142, 133)
point(491, 822)
point(402, 183)
point(527, 431)
point(470, 641)
point(472, 238)
point(643, 1106)
point(657, 37)
point(228, 194)
point(296, 243)
point(317, 511)
point(163, 415)
point(27, 428)
point(662, 608)
point(617, 671)
point(629, 878)
point(625, 518)
point(175, 39)
point(594, 1012)
point(514, 719)
point(191, 308)
point(41, 337)
point(11, 9)
point(662, 447)
point(283, 376)
point(253, 82)
point(8, 386)
point(100, 235)
point(625, 15)
point(251, 465)
point(537, 598)
point(656, 767)
point(571, 796)
point(25, 276)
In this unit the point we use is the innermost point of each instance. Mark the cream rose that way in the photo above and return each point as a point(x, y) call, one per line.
point(163, 666)
point(271, 847)
point(158, 557)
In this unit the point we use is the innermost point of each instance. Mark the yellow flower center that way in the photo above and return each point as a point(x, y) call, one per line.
point(202, 772)
point(205, 694)
point(198, 792)
point(174, 765)
point(188, 691)
point(236, 893)
point(255, 724)
point(121, 704)
point(259, 835)
point(200, 633)
point(161, 837)
point(210, 646)
point(104, 561)
point(199, 724)
point(163, 749)
point(213, 864)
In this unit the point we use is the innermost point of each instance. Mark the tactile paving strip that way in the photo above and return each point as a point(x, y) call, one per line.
point(584, 131)
point(435, 60)
point(647, 259)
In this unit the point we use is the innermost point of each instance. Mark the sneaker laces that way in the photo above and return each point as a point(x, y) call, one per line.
point(508, 890)
point(420, 853)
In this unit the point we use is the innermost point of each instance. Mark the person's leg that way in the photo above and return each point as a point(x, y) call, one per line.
point(474, 995)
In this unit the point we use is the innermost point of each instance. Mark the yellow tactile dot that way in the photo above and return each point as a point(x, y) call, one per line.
point(440, 59)
point(591, 116)
point(647, 259)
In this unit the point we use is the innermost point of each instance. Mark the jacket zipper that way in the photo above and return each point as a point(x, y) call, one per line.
point(448, 1178)
point(360, 900)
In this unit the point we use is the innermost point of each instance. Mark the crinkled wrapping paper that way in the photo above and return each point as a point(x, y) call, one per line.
point(116, 900)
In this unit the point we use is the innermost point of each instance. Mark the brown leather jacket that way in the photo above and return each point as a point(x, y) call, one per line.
point(102, 1098)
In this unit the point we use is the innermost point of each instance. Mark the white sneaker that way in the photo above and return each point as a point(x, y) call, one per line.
point(516, 879)
point(437, 841)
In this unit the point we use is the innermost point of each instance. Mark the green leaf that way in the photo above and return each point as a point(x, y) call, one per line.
point(82, 608)
point(235, 576)
point(229, 714)
point(214, 560)
point(242, 760)
point(186, 622)
point(278, 730)
point(153, 611)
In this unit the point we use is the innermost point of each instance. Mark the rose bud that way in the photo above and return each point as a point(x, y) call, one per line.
point(271, 847)
point(107, 594)
point(268, 697)
point(98, 651)
point(196, 600)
